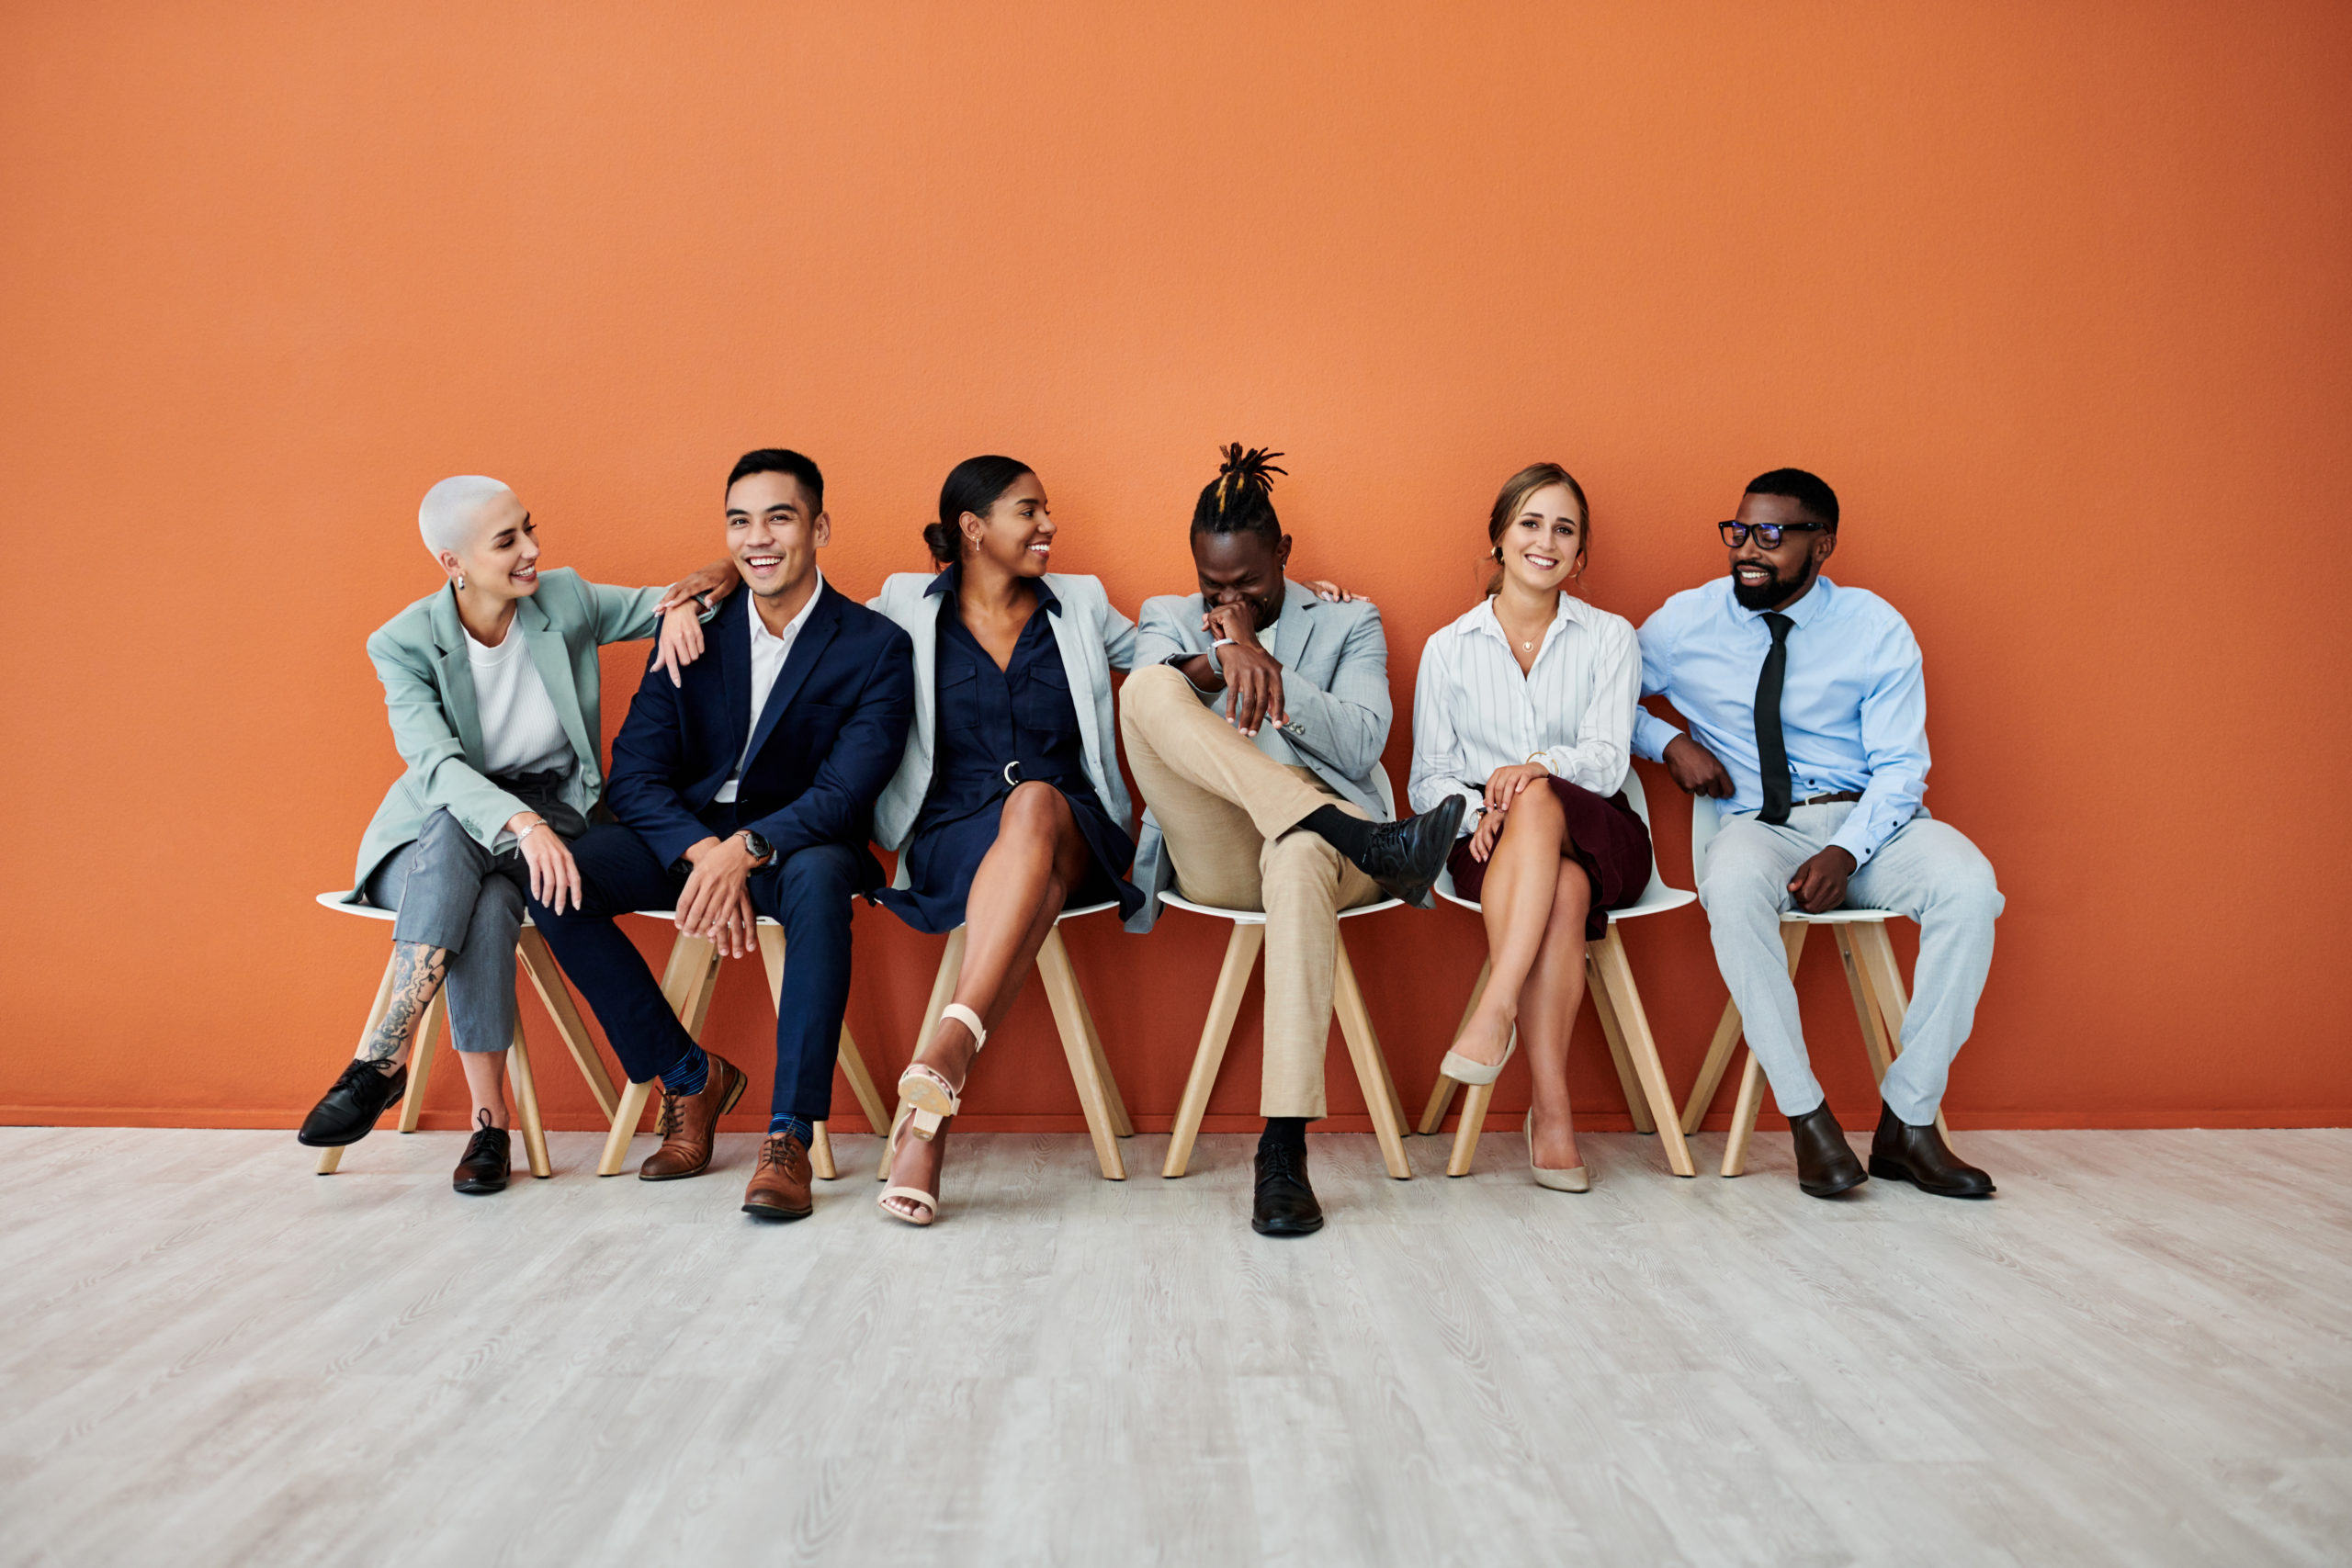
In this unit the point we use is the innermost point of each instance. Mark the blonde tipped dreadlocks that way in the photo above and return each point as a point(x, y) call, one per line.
point(1241, 499)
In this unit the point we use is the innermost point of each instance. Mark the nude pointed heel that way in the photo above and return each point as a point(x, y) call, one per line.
point(930, 1097)
point(1573, 1179)
point(1462, 1069)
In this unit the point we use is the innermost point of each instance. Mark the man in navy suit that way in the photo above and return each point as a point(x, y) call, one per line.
point(746, 789)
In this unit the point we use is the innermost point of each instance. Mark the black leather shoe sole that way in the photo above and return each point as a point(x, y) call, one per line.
point(777, 1211)
point(1834, 1186)
point(1895, 1170)
point(1286, 1225)
point(478, 1182)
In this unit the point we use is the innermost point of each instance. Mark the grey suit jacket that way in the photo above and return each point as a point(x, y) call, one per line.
point(420, 655)
point(1335, 690)
point(1093, 639)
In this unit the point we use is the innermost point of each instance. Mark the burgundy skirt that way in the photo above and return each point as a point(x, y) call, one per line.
point(1604, 837)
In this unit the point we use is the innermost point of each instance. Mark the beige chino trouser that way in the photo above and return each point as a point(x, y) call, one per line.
point(1229, 816)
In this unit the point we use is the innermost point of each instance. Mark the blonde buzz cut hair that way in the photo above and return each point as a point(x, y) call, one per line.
point(446, 516)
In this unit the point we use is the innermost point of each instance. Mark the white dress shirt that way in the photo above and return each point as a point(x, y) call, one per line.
point(1474, 711)
point(769, 650)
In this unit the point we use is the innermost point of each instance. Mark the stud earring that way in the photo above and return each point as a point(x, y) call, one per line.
point(461, 580)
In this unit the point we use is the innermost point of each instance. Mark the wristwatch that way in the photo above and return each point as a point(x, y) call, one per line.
point(761, 850)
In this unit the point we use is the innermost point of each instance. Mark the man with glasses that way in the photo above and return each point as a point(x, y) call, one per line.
point(1808, 716)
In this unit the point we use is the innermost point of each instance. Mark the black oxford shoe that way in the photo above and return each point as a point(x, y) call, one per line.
point(1920, 1155)
point(1285, 1204)
point(486, 1165)
point(1405, 857)
point(347, 1113)
point(1825, 1166)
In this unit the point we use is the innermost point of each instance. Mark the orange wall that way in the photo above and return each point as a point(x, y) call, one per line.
point(2057, 296)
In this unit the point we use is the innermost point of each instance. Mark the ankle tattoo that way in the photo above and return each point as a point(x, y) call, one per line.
point(417, 971)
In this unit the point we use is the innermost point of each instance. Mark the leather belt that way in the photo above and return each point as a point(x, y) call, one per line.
point(1828, 799)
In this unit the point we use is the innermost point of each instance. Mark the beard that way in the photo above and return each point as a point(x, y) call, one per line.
point(1772, 590)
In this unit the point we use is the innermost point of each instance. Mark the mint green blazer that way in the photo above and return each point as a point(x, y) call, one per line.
point(420, 655)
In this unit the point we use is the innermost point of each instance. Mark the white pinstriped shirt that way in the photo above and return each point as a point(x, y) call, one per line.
point(1573, 711)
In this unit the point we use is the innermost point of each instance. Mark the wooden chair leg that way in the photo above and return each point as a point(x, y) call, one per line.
point(329, 1159)
point(686, 985)
point(1612, 1030)
point(1873, 1030)
point(1743, 1116)
point(1475, 1102)
point(1225, 1006)
point(527, 1105)
point(1884, 979)
point(1121, 1123)
point(1093, 1096)
point(1625, 997)
point(943, 991)
point(1727, 1040)
point(1441, 1091)
point(420, 1058)
point(1372, 1071)
point(556, 997)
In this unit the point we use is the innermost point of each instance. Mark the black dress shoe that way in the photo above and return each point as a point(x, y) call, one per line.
point(485, 1167)
point(347, 1113)
point(1285, 1204)
point(1405, 857)
point(1920, 1155)
point(1825, 1165)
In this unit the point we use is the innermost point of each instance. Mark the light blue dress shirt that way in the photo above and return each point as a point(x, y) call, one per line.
point(1853, 702)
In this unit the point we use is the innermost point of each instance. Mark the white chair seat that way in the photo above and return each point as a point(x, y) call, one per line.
point(369, 911)
point(1258, 917)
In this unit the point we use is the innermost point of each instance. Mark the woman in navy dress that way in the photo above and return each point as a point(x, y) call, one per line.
point(1009, 808)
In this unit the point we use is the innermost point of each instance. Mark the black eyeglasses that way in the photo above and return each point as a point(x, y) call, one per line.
point(1768, 534)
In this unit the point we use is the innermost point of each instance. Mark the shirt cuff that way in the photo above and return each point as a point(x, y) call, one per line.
point(1652, 736)
point(1855, 839)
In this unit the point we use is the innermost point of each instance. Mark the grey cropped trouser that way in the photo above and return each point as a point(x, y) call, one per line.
point(451, 893)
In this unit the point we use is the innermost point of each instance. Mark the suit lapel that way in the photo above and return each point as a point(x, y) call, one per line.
point(553, 660)
point(1294, 627)
point(806, 648)
point(457, 675)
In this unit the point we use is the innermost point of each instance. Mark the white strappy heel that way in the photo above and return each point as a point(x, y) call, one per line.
point(926, 1099)
point(931, 1097)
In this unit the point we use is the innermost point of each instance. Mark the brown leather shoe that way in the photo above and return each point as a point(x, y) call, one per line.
point(690, 1121)
point(779, 1189)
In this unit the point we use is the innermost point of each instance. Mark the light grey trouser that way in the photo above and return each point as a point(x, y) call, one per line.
point(451, 893)
point(1926, 871)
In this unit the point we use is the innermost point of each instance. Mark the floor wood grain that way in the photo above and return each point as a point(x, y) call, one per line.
point(2141, 1352)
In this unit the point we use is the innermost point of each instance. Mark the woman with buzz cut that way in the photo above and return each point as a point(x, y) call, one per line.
point(491, 681)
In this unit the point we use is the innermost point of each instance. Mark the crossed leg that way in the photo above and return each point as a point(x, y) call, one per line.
point(1018, 892)
point(1535, 899)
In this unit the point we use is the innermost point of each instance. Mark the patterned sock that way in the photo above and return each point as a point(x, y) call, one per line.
point(688, 1074)
point(779, 1125)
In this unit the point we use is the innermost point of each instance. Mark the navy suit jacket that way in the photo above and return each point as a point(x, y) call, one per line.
point(829, 738)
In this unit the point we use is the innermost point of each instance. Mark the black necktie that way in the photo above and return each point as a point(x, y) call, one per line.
point(1771, 750)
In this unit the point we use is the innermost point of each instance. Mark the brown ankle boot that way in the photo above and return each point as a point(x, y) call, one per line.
point(690, 1121)
point(779, 1189)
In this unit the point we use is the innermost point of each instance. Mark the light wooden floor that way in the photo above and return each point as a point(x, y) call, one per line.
point(2141, 1352)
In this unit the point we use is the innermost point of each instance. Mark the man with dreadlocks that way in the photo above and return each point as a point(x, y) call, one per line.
point(1254, 721)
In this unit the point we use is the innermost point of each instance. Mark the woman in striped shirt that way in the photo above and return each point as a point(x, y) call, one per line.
point(1525, 708)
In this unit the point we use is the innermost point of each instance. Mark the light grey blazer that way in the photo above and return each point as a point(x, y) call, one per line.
point(1094, 639)
point(1335, 693)
point(420, 655)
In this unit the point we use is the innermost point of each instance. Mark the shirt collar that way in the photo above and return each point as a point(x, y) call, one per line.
point(791, 628)
point(950, 580)
point(1804, 613)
